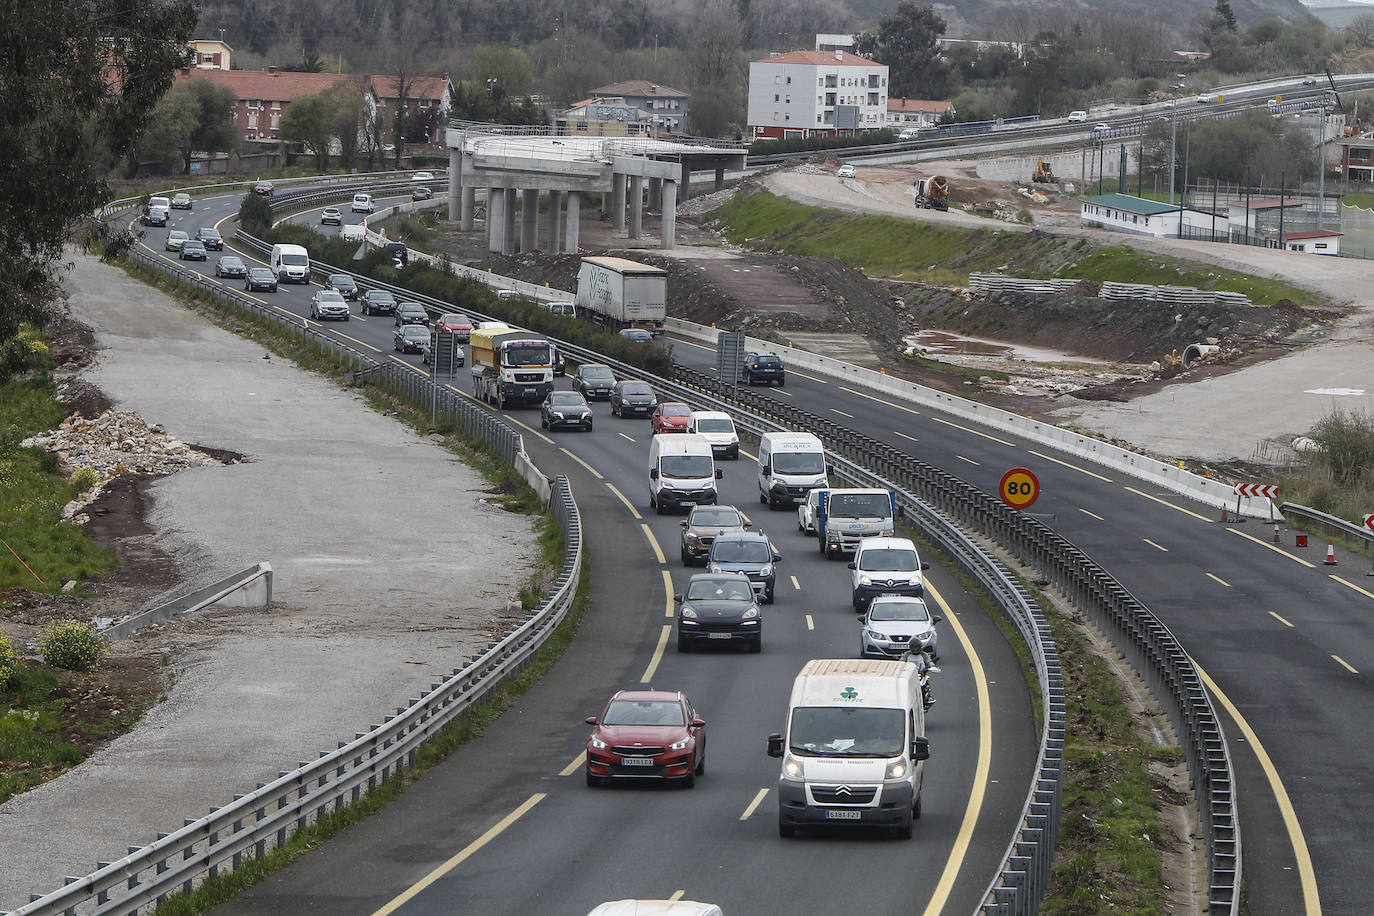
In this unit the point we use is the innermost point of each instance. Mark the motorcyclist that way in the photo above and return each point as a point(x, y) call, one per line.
point(919, 655)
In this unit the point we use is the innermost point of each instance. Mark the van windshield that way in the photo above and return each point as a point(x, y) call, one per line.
point(295, 260)
point(714, 425)
point(686, 466)
point(860, 505)
point(888, 559)
point(848, 731)
point(798, 463)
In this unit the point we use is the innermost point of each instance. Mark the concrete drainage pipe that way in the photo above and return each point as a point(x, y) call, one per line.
point(1196, 353)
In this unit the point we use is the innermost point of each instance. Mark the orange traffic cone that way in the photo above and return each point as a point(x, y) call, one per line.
point(1330, 553)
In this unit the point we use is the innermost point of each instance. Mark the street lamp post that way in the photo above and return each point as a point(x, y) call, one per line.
point(1173, 149)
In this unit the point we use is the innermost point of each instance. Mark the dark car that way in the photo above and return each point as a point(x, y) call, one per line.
point(378, 302)
point(670, 417)
point(748, 553)
point(264, 188)
point(565, 408)
point(638, 335)
point(156, 216)
point(421, 194)
point(261, 279)
point(192, 250)
point(454, 323)
point(211, 237)
point(594, 381)
point(344, 285)
point(410, 338)
point(231, 266)
point(765, 368)
point(427, 354)
point(718, 607)
point(703, 525)
point(654, 734)
point(630, 398)
point(412, 313)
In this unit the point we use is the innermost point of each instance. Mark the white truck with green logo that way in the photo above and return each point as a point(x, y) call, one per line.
point(855, 748)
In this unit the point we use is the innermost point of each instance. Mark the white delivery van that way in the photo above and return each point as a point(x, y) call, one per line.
point(291, 263)
point(718, 429)
point(655, 908)
point(854, 750)
point(885, 566)
point(790, 466)
point(682, 473)
point(1077, 117)
point(362, 203)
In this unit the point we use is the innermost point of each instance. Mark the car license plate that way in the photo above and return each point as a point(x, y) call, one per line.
point(843, 815)
point(637, 761)
point(687, 505)
point(717, 635)
point(529, 391)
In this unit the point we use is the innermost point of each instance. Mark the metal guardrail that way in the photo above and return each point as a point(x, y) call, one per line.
point(1331, 526)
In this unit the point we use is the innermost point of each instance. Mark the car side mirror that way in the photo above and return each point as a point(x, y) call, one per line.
point(925, 566)
point(767, 468)
point(920, 749)
point(748, 524)
point(653, 473)
point(719, 473)
point(830, 468)
point(901, 512)
point(678, 597)
point(936, 619)
point(852, 566)
point(777, 558)
point(591, 720)
point(683, 523)
point(775, 745)
point(698, 722)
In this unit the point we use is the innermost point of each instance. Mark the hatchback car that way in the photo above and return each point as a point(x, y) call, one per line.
point(230, 266)
point(181, 202)
point(331, 216)
point(329, 304)
point(378, 302)
point(211, 238)
point(192, 250)
point(638, 335)
point(422, 176)
point(703, 525)
point(763, 368)
point(260, 279)
point(884, 565)
point(175, 239)
point(897, 624)
point(632, 399)
point(594, 381)
point(1099, 129)
point(264, 188)
point(156, 216)
point(670, 417)
point(565, 408)
point(410, 338)
point(654, 734)
point(748, 553)
point(344, 285)
point(412, 313)
point(454, 323)
point(718, 607)
point(845, 171)
point(421, 193)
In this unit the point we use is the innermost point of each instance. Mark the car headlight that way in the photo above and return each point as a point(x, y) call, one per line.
point(874, 634)
point(792, 767)
point(688, 612)
point(556, 413)
point(865, 580)
point(914, 580)
point(766, 571)
point(896, 769)
point(692, 538)
point(680, 744)
point(752, 612)
point(716, 569)
point(598, 743)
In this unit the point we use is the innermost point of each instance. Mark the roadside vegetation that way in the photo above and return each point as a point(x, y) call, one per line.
point(901, 249)
point(1336, 477)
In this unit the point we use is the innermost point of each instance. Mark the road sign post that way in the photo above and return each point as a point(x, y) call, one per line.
point(1019, 489)
point(1251, 490)
point(1369, 523)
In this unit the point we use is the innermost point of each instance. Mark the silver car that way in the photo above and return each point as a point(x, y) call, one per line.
point(329, 304)
point(896, 624)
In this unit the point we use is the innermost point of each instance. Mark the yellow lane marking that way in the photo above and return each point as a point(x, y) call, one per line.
point(625, 437)
point(1154, 545)
point(969, 460)
point(628, 504)
point(1367, 594)
point(955, 866)
point(575, 765)
point(591, 469)
point(667, 594)
point(1251, 537)
point(289, 312)
point(653, 542)
point(677, 895)
point(1093, 514)
point(1072, 467)
point(1311, 898)
point(905, 436)
point(880, 401)
point(746, 518)
point(692, 343)
point(1280, 619)
point(1217, 579)
point(968, 429)
point(1344, 664)
point(748, 455)
point(359, 342)
point(467, 851)
point(407, 365)
point(525, 426)
point(805, 376)
point(810, 624)
point(796, 584)
point(658, 655)
point(1165, 502)
point(841, 412)
point(758, 799)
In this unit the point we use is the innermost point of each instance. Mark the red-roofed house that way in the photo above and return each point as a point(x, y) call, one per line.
point(264, 94)
point(1313, 241)
point(428, 100)
point(904, 113)
point(816, 94)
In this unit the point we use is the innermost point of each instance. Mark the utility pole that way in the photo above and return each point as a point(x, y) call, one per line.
point(1321, 164)
point(1173, 149)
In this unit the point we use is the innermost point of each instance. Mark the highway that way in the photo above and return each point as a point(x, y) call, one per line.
point(1281, 636)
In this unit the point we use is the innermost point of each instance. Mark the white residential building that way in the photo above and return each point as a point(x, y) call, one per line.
point(816, 93)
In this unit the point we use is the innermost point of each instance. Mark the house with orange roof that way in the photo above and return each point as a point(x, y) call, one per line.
point(816, 94)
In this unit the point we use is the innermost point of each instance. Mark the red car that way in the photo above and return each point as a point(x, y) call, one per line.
point(647, 733)
point(670, 417)
point(264, 188)
point(454, 323)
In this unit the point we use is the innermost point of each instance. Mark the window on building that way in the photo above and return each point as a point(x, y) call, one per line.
point(1319, 245)
point(789, 98)
point(789, 81)
point(776, 97)
point(787, 117)
point(777, 79)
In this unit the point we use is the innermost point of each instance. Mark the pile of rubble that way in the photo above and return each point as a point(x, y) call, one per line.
point(112, 444)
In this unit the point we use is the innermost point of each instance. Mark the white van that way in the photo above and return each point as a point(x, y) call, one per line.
point(362, 203)
point(163, 202)
point(655, 908)
point(854, 750)
point(790, 466)
point(718, 429)
point(885, 566)
point(291, 263)
point(910, 133)
point(1077, 117)
point(682, 473)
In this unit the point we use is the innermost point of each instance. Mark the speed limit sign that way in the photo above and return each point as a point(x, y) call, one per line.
point(1019, 488)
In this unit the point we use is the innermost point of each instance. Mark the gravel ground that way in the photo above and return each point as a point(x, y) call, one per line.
point(391, 566)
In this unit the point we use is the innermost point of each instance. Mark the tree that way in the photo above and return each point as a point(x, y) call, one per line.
point(349, 120)
point(310, 120)
point(194, 116)
point(908, 41)
point(716, 66)
point(1225, 17)
point(81, 80)
point(1362, 27)
point(169, 133)
point(508, 66)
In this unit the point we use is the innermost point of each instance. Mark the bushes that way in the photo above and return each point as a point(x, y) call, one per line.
point(73, 645)
point(808, 144)
point(9, 665)
point(255, 216)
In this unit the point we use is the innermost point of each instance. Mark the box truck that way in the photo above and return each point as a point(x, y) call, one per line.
point(618, 294)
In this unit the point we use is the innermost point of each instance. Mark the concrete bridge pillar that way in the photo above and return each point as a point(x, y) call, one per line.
point(552, 227)
point(573, 217)
point(636, 206)
point(455, 181)
point(669, 230)
point(508, 224)
point(618, 202)
point(467, 202)
point(529, 219)
point(655, 193)
point(684, 184)
point(496, 212)
point(720, 178)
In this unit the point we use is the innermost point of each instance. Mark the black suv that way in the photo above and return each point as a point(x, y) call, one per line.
point(762, 367)
point(594, 381)
point(378, 302)
point(344, 285)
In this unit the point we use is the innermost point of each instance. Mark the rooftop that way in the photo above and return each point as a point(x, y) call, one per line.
point(933, 106)
point(1131, 204)
point(639, 87)
point(1266, 203)
point(820, 59)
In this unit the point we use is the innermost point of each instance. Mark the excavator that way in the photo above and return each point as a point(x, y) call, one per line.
point(1043, 173)
point(932, 193)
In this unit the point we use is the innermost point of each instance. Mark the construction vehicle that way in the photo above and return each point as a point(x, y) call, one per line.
point(1043, 173)
point(510, 366)
point(932, 193)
